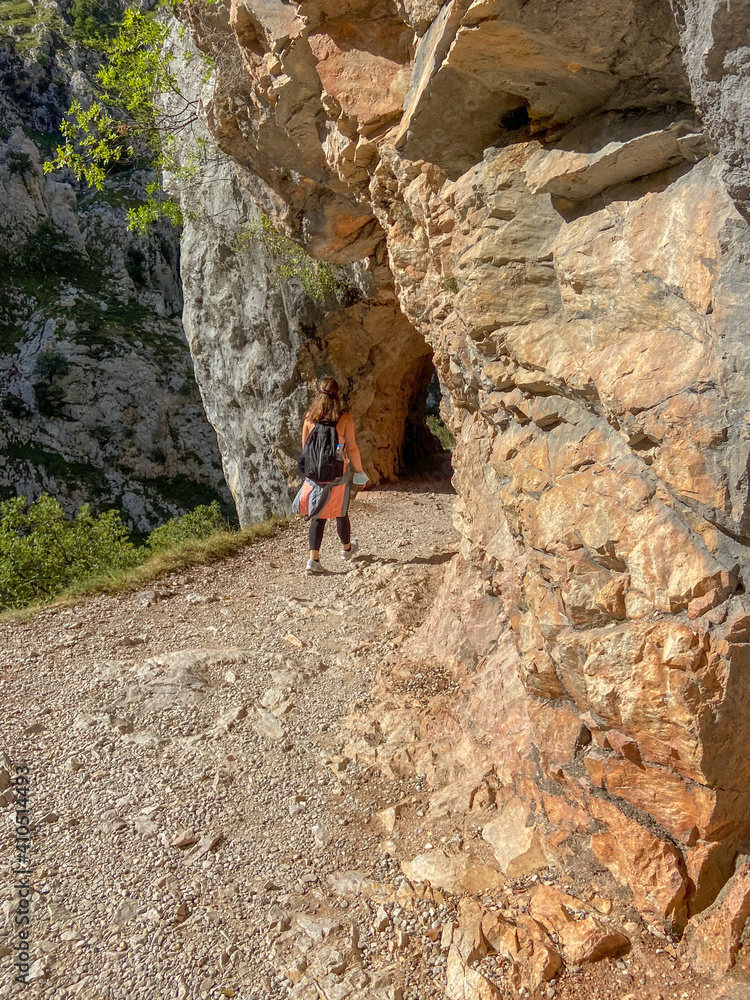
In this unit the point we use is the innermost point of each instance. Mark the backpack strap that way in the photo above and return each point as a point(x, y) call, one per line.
point(339, 432)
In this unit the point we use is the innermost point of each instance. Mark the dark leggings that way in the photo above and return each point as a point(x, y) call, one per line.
point(318, 526)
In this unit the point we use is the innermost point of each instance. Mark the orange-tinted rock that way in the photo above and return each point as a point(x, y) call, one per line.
point(585, 296)
point(468, 938)
point(526, 946)
point(560, 732)
point(709, 864)
point(569, 818)
point(501, 935)
point(456, 873)
point(539, 967)
point(713, 937)
point(738, 628)
point(464, 983)
point(650, 867)
point(579, 176)
point(515, 842)
point(624, 745)
point(364, 64)
point(462, 622)
point(583, 937)
point(683, 808)
point(596, 766)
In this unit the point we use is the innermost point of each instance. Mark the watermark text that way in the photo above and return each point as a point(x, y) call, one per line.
point(21, 868)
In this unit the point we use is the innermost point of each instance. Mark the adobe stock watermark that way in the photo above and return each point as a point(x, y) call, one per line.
point(21, 869)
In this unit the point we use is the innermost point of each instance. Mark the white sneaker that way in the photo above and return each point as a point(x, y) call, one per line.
point(313, 566)
point(346, 555)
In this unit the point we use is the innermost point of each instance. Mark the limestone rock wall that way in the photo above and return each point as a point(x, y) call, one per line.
point(259, 342)
point(601, 466)
point(714, 43)
point(562, 231)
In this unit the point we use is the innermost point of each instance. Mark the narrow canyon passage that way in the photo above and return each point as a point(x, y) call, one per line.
point(204, 824)
point(505, 755)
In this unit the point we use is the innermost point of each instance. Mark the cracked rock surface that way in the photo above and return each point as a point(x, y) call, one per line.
point(562, 212)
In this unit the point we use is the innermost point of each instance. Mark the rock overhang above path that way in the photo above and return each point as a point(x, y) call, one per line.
point(482, 78)
point(579, 176)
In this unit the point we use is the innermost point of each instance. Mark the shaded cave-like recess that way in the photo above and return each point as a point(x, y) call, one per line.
point(427, 442)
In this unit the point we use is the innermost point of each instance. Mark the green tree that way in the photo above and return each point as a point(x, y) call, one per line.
point(137, 114)
point(42, 551)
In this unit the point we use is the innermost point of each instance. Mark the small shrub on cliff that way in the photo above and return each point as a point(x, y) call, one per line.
point(43, 251)
point(24, 22)
point(317, 278)
point(48, 393)
point(18, 162)
point(400, 210)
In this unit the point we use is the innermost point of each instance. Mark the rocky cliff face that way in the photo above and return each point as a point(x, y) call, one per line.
point(714, 36)
point(97, 392)
point(569, 242)
point(259, 341)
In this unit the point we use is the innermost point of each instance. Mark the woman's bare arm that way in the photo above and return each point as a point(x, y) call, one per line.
point(351, 444)
point(306, 428)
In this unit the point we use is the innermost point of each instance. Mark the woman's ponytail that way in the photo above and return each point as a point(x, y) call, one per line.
point(327, 403)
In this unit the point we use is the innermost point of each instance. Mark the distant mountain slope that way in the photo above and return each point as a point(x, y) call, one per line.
point(98, 400)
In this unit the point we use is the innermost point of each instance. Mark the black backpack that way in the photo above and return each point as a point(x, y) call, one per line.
point(322, 459)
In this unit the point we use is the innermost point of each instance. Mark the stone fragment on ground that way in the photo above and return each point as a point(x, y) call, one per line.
point(516, 843)
point(582, 936)
point(457, 873)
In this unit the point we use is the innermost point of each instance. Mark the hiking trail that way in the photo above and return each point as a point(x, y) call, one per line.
point(198, 829)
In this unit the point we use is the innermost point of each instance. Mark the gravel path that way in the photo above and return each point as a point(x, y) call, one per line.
point(188, 790)
point(197, 829)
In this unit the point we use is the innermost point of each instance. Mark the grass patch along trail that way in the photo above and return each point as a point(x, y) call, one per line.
point(193, 552)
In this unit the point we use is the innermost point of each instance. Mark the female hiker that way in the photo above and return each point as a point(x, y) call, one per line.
point(328, 447)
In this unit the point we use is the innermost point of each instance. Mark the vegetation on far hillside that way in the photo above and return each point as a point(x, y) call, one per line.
point(43, 553)
point(437, 428)
point(94, 22)
point(22, 22)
